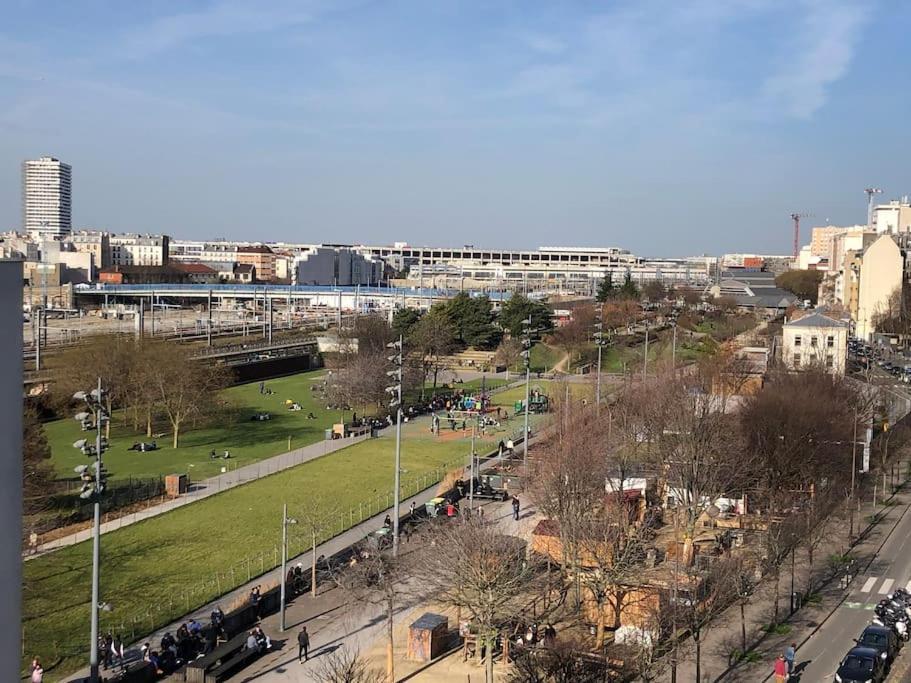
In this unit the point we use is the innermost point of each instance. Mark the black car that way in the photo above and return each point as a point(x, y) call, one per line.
point(861, 664)
point(881, 639)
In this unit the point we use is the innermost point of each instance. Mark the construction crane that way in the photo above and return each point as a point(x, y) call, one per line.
point(796, 218)
point(871, 192)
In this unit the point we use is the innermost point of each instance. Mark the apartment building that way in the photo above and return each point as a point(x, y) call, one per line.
point(139, 250)
point(879, 276)
point(94, 242)
point(47, 197)
point(893, 218)
point(261, 257)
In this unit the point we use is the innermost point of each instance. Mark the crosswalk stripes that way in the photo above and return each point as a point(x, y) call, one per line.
point(883, 588)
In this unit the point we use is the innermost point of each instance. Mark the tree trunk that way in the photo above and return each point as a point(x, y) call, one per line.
point(176, 426)
point(743, 629)
point(313, 565)
point(698, 642)
point(599, 637)
point(149, 423)
point(488, 664)
point(107, 425)
point(810, 554)
point(777, 595)
point(390, 663)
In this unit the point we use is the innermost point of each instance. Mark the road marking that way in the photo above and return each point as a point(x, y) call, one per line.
point(868, 586)
point(886, 587)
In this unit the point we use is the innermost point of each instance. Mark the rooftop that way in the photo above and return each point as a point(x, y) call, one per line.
point(816, 320)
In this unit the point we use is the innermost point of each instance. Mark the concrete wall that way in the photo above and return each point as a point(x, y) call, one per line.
point(880, 275)
point(11, 468)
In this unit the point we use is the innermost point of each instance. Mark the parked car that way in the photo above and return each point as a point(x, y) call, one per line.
point(881, 639)
point(861, 665)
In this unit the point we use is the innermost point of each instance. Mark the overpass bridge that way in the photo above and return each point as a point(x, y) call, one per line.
point(304, 296)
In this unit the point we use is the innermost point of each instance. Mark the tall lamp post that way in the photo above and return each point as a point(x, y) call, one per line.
point(94, 481)
point(599, 342)
point(526, 356)
point(396, 402)
point(285, 522)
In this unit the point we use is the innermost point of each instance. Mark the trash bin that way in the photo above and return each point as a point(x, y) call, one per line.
point(329, 433)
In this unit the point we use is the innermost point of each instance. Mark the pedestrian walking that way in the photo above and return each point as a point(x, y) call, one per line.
point(37, 671)
point(789, 655)
point(303, 645)
point(781, 670)
point(411, 510)
point(515, 508)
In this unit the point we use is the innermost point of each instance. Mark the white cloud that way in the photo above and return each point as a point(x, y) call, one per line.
point(823, 50)
point(222, 18)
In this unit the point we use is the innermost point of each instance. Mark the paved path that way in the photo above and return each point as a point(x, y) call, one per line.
point(206, 488)
point(338, 621)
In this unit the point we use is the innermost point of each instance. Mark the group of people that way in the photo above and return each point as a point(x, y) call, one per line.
point(546, 636)
point(294, 579)
point(187, 643)
point(784, 665)
point(110, 650)
point(257, 640)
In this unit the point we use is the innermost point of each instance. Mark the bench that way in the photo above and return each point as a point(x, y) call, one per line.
point(196, 670)
point(226, 668)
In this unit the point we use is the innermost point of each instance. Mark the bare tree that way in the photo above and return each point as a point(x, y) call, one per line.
point(185, 388)
point(347, 666)
point(379, 577)
point(475, 568)
point(565, 662)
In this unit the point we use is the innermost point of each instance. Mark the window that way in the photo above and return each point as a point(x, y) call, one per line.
point(796, 360)
point(797, 340)
point(830, 361)
point(814, 341)
point(830, 341)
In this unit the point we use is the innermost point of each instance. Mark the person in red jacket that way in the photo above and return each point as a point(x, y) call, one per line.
point(781, 670)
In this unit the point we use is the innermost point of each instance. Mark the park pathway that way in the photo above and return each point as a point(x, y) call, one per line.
point(335, 618)
point(207, 487)
point(213, 485)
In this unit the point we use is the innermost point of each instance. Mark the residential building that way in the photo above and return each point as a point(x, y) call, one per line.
point(16, 246)
point(815, 340)
point(893, 218)
point(261, 258)
point(139, 250)
point(142, 275)
point(46, 197)
point(198, 273)
point(243, 273)
point(94, 242)
point(336, 266)
point(879, 276)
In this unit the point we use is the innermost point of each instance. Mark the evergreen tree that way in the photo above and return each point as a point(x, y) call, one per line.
point(519, 308)
point(605, 289)
point(629, 288)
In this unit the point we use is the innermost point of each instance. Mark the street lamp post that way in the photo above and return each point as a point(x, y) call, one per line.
point(285, 522)
point(396, 402)
point(599, 342)
point(93, 486)
point(526, 355)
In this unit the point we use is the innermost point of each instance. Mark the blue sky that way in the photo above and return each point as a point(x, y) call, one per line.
point(665, 127)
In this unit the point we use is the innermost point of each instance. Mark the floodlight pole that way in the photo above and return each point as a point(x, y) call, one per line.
point(96, 543)
point(281, 626)
point(527, 344)
point(396, 390)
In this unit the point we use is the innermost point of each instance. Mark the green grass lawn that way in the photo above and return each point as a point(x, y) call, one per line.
point(156, 570)
point(248, 441)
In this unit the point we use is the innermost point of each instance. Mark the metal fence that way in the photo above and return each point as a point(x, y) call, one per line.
point(180, 602)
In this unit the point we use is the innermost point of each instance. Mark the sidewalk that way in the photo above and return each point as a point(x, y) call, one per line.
point(724, 635)
point(333, 620)
point(206, 488)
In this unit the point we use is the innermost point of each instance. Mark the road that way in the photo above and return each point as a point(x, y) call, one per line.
point(889, 569)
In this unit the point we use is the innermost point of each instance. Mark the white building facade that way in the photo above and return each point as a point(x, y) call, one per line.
point(816, 340)
point(47, 200)
point(139, 250)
